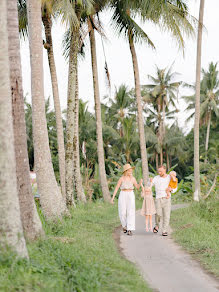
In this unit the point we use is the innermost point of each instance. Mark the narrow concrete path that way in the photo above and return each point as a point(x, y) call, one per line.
point(163, 264)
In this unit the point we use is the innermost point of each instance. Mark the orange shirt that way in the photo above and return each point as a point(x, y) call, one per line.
point(173, 184)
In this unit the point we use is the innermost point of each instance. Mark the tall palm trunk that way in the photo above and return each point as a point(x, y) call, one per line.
point(207, 136)
point(161, 155)
point(76, 154)
point(100, 151)
point(10, 222)
point(59, 126)
point(197, 193)
point(30, 219)
point(72, 160)
point(140, 112)
point(50, 195)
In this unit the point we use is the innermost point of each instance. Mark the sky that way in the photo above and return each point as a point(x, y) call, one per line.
point(119, 59)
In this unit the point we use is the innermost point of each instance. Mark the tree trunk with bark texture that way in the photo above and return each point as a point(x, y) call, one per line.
point(69, 155)
point(11, 230)
point(55, 90)
point(197, 192)
point(77, 181)
point(140, 112)
point(100, 150)
point(207, 137)
point(51, 199)
point(161, 155)
point(30, 219)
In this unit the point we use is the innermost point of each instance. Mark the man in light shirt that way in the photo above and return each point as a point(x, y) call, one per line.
point(162, 203)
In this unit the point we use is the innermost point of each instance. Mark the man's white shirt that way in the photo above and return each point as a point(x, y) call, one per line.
point(161, 184)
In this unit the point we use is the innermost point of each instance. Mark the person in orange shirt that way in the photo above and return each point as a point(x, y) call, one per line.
point(172, 184)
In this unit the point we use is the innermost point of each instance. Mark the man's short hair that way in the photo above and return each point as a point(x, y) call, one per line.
point(162, 166)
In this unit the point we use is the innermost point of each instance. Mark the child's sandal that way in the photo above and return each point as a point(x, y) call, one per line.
point(129, 233)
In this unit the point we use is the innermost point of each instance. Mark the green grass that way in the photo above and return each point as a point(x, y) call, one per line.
point(196, 229)
point(87, 260)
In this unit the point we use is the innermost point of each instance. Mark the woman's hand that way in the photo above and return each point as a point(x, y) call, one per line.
point(112, 201)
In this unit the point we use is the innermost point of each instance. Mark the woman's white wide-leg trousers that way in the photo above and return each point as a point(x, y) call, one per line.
point(126, 206)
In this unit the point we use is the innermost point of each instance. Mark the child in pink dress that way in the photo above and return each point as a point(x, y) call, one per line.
point(148, 207)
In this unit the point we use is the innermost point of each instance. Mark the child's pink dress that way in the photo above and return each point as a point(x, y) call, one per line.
point(148, 207)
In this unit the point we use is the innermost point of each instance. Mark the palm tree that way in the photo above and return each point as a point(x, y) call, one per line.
point(119, 106)
point(30, 219)
point(172, 17)
point(100, 151)
point(197, 192)
point(71, 13)
point(210, 89)
point(47, 22)
point(10, 220)
point(163, 94)
point(47, 13)
point(154, 119)
point(51, 198)
point(130, 138)
point(209, 100)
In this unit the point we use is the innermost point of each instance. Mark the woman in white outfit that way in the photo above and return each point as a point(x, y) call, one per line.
point(126, 203)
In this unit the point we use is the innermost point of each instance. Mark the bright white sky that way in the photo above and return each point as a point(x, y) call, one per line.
point(119, 58)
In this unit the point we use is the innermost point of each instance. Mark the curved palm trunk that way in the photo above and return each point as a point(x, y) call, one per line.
point(76, 154)
point(197, 193)
point(100, 151)
point(51, 198)
point(140, 113)
point(59, 126)
point(207, 137)
point(10, 221)
point(30, 219)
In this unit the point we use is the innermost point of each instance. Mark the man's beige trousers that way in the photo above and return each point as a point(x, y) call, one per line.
point(163, 209)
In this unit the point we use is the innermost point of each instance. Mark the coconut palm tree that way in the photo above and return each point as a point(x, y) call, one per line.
point(130, 139)
point(100, 150)
point(163, 94)
point(209, 107)
point(209, 100)
point(10, 220)
point(172, 15)
point(51, 198)
point(71, 12)
point(197, 192)
point(30, 219)
point(154, 119)
point(47, 22)
point(47, 14)
point(119, 106)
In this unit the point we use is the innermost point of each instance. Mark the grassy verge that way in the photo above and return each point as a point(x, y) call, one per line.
point(78, 254)
point(196, 229)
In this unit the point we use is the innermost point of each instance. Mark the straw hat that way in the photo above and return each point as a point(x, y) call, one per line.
point(127, 167)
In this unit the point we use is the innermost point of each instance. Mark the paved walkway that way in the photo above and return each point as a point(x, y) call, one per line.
point(163, 264)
